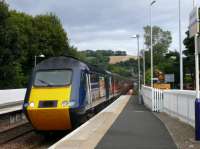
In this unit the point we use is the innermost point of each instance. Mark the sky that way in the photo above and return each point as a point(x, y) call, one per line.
point(109, 24)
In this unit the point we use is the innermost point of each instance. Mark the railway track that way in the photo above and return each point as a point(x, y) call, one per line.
point(24, 136)
point(15, 132)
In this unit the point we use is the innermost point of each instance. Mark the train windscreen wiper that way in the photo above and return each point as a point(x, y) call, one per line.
point(44, 82)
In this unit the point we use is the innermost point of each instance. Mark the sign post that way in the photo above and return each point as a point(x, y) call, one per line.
point(194, 31)
point(194, 22)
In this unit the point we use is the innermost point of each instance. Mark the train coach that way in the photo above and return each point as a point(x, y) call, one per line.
point(62, 89)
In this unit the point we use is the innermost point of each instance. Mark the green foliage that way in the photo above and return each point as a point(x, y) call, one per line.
point(188, 79)
point(189, 59)
point(163, 59)
point(49, 36)
point(22, 37)
point(160, 38)
point(100, 58)
point(128, 68)
point(161, 43)
point(148, 76)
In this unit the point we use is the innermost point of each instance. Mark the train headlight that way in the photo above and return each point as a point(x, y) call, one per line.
point(70, 103)
point(65, 103)
point(31, 104)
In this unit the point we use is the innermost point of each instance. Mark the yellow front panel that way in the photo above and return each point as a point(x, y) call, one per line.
point(56, 118)
point(50, 119)
point(59, 94)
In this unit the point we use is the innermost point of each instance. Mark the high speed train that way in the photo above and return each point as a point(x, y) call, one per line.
point(63, 89)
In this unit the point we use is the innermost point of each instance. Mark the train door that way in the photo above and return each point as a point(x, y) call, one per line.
point(102, 86)
point(94, 81)
point(107, 86)
point(89, 95)
point(110, 86)
point(83, 100)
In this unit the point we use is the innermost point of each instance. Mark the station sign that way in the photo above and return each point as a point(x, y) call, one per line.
point(194, 22)
point(169, 78)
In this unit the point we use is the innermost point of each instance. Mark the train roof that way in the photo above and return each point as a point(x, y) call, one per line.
point(68, 62)
point(61, 62)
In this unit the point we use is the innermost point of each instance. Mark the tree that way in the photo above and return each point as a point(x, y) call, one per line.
point(161, 43)
point(10, 51)
point(22, 37)
point(164, 60)
point(189, 59)
point(128, 68)
point(160, 37)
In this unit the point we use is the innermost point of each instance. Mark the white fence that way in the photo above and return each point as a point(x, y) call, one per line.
point(148, 94)
point(180, 104)
point(176, 103)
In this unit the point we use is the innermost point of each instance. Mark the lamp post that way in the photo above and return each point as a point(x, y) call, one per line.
point(151, 4)
point(41, 55)
point(194, 3)
point(144, 66)
point(138, 55)
point(180, 49)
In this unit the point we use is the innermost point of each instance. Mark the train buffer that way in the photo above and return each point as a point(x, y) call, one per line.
point(125, 124)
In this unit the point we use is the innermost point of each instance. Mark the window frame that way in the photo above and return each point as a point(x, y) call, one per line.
point(46, 70)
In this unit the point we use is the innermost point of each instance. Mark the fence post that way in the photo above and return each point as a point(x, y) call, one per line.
point(153, 101)
point(156, 100)
point(161, 100)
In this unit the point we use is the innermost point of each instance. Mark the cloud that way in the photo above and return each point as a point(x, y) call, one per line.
point(108, 24)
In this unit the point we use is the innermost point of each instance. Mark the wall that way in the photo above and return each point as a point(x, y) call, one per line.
point(176, 103)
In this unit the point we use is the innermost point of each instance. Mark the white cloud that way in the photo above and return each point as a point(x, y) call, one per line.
point(108, 24)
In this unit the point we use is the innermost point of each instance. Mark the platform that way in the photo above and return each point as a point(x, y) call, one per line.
point(137, 128)
point(123, 125)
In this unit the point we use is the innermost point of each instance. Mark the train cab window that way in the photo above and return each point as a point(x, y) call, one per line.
point(53, 78)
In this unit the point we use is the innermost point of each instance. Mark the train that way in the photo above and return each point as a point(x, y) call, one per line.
point(63, 89)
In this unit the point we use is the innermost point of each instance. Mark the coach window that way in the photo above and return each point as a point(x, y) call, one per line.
point(94, 80)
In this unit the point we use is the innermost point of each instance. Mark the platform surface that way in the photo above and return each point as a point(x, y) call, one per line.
point(90, 133)
point(137, 128)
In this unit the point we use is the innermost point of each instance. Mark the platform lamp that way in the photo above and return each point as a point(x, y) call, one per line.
point(41, 56)
point(151, 33)
point(137, 36)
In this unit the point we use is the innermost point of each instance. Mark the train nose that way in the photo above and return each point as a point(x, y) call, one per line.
point(48, 108)
point(50, 118)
